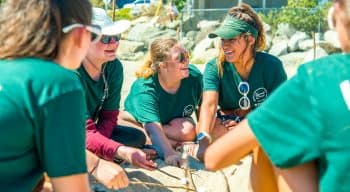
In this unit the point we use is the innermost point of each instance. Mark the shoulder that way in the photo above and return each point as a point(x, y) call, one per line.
point(144, 84)
point(268, 59)
point(46, 79)
point(326, 66)
point(194, 71)
point(114, 66)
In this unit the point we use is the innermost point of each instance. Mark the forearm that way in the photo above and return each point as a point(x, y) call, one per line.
point(207, 117)
point(231, 147)
point(101, 145)
point(159, 138)
point(78, 183)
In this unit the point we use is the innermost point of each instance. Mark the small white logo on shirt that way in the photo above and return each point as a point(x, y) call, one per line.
point(0, 87)
point(259, 95)
point(345, 90)
point(188, 110)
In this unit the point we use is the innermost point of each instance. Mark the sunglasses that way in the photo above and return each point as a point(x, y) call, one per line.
point(183, 57)
point(243, 89)
point(95, 30)
point(108, 39)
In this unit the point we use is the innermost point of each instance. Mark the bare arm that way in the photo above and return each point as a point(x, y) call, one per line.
point(108, 173)
point(78, 183)
point(231, 147)
point(207, 111)
point(302, 178)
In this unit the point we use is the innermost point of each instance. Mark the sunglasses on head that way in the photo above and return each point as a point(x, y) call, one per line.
point(108, 39)
point(95, 30)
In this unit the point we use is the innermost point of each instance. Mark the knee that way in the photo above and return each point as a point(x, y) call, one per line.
point(189, 134)
point(140, 138)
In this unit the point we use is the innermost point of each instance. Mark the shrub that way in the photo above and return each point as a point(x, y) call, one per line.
point(124, 13)
point(304, 15)
point(97, 3)
point(180, 4)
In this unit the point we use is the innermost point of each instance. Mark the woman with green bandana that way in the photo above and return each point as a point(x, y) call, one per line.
point(42, 103)
point(238, 81)
point(101, 74)
point(307, 120)
point(163, 98)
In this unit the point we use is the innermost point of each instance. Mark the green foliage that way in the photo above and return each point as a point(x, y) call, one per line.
point(304, 15)
point(180, 4)
point(120, 14)
point(97, 3)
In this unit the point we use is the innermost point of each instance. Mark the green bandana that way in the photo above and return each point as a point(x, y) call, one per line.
point(231, 27)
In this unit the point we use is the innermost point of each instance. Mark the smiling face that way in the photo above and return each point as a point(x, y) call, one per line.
point(177, 62)
point(104, 52)
point(235, 48)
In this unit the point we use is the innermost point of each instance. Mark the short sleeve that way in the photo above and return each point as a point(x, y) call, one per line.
point(287, 124)
point(146, 106)
point(211, 76)
point(279, 75)
point(61, 139)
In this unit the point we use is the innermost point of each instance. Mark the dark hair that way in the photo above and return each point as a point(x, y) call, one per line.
point(33, 28)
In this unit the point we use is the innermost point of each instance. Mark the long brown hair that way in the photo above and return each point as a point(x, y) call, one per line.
point(245, 13)
point(33, 28)
point(158, 52)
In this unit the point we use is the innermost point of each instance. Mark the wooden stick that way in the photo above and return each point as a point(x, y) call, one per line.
point(159, 185)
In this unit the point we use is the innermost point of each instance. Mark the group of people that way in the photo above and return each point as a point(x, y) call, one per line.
point(60, 83)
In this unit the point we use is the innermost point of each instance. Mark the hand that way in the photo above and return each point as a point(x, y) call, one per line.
point(111, 175)
point(135, 157)
point(174, 159)
point(203, 144)
point(151, 154)
point(229, 124)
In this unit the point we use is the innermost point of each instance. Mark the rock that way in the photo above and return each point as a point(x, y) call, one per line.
point(126, 46)
point(293, 44)
point(285, 29)
point(332, 38)
point(310, 55)
point(279, 48)
point(147, 33)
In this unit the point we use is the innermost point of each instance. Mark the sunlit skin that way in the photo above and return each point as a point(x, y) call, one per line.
point(100, 53)
point(224, 152)
point(177, 65)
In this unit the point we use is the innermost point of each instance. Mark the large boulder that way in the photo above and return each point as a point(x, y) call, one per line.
point(293, 44)
point(279, 48)
point(146, 33)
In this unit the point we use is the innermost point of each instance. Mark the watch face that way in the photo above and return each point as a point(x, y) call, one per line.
point(200, 136)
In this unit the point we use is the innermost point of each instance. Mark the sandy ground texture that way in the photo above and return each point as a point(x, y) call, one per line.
point(234, 178)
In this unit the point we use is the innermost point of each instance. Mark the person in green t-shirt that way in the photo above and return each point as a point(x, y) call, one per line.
point(42, 104)
point(163, 98)
point(101, 74)
point(304, 125)
point(238, 81)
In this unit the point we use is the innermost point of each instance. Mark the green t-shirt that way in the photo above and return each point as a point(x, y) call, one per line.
point(308, 118)
point(266, 75)
point(149, 102)
point(42, 117)
point(95, 90)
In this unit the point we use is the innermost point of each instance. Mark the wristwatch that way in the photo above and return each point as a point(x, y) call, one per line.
point(203, 134)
